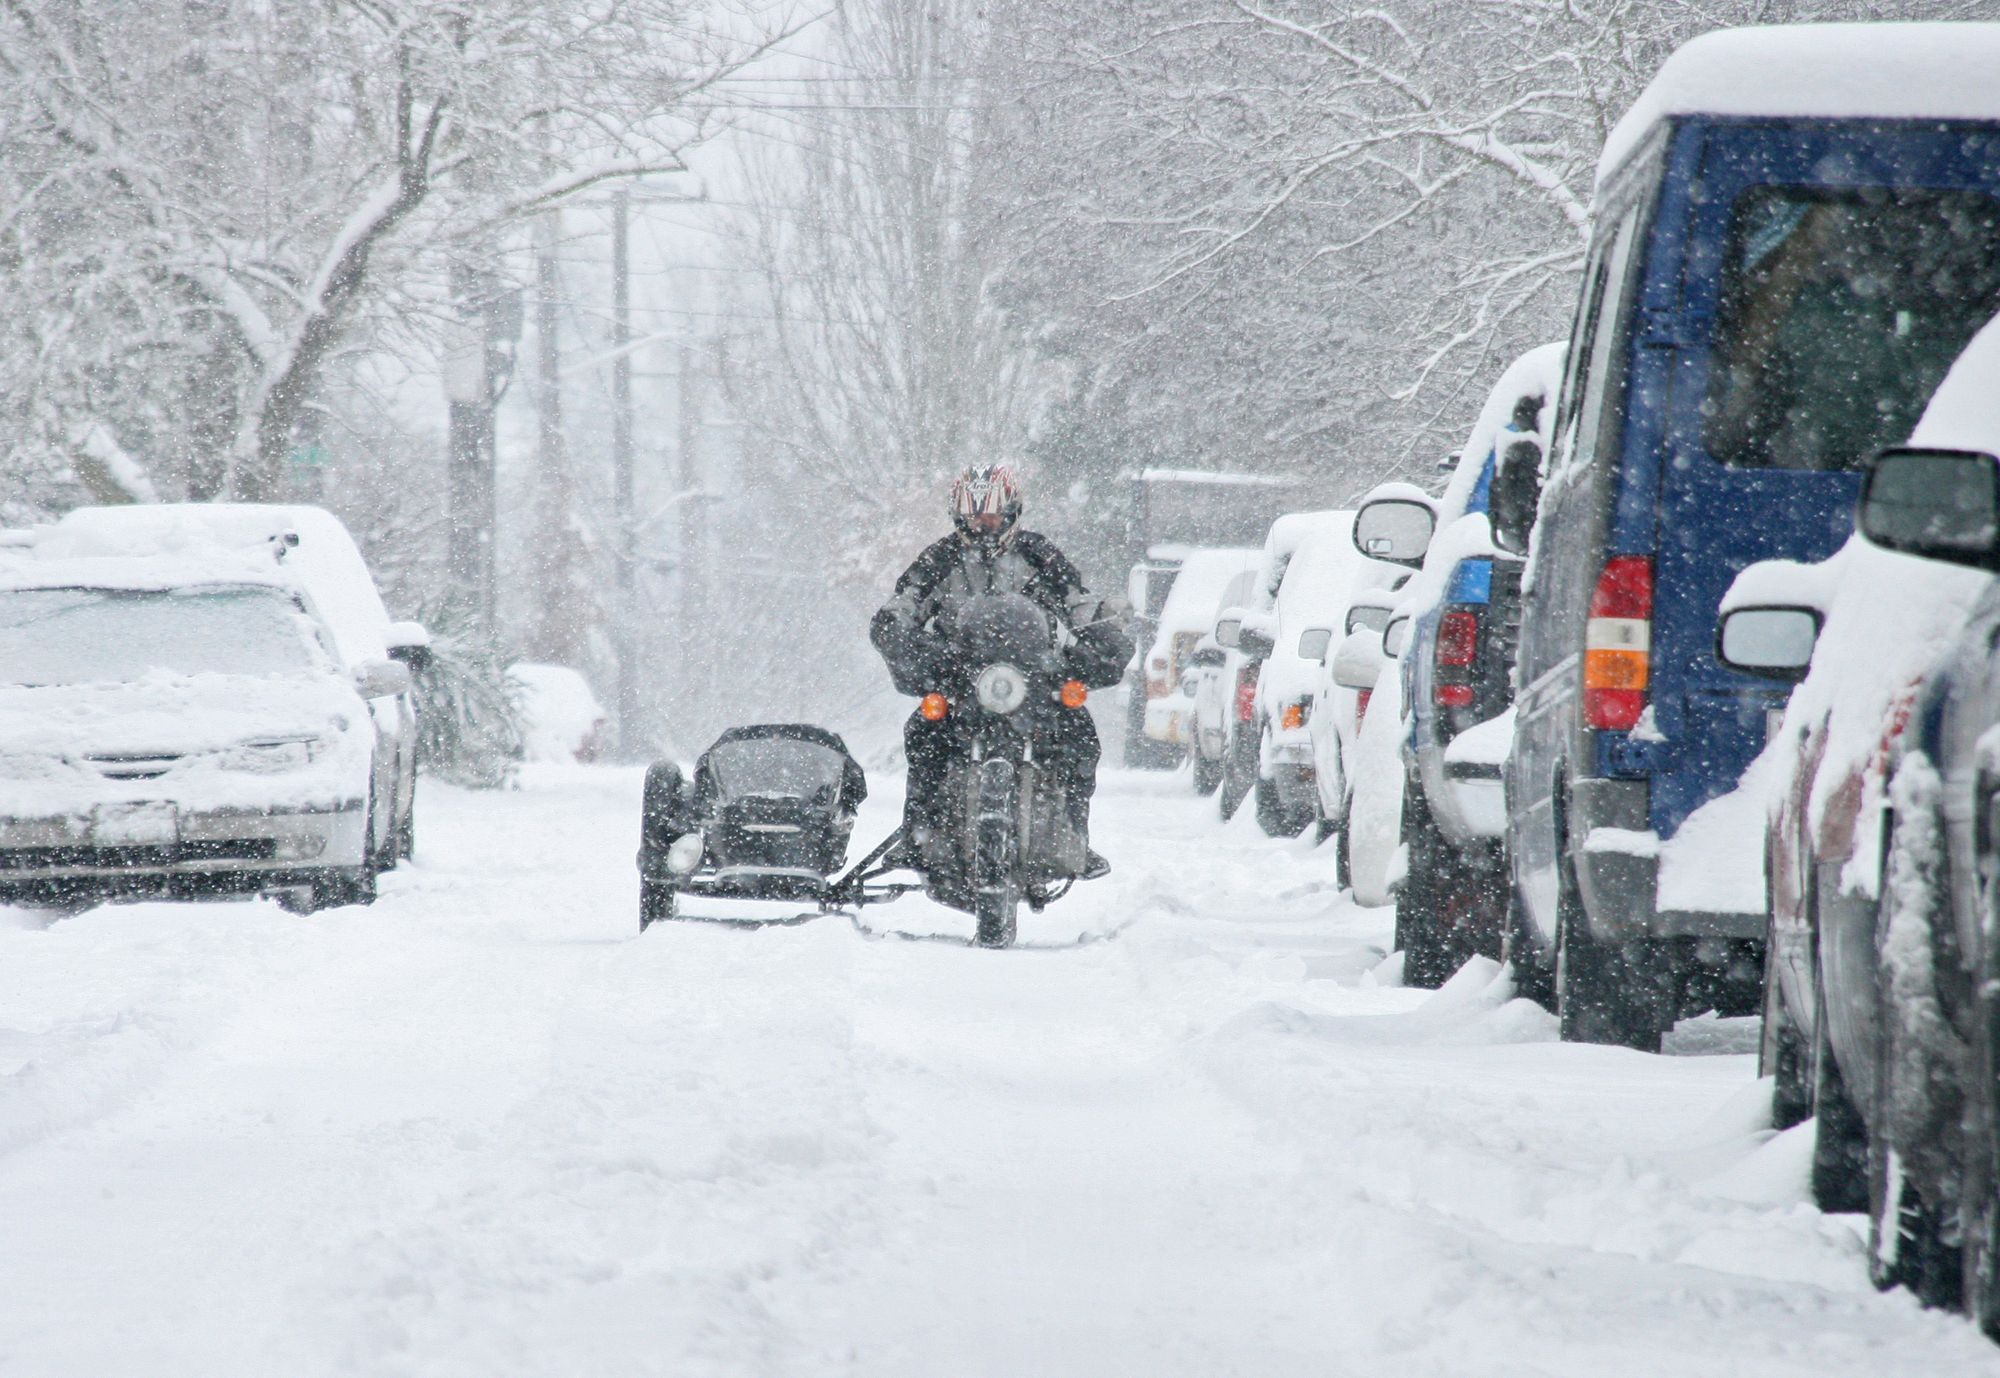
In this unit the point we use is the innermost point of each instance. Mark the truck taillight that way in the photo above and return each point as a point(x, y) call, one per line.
point(1618, 644)
point(1458, 637)
point(1246, 694)
point(1453, 656)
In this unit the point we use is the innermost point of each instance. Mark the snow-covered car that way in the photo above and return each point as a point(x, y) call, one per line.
point(1185, 618)
point(321, 558)
point(1223, 685)
point(1879, 788)
point(1346, 685)
point(1372, 838)
point(182, 726)
point(1465, 605)
point(561, 720)
point(1312, 570)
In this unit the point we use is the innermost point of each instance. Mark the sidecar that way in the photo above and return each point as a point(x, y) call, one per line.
point(767, 816)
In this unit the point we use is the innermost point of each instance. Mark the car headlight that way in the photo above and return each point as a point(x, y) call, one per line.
point(685, 852)
point(1000, 688)
point(276, 755)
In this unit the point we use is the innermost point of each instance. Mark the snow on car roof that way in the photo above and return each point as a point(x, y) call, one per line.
point(1195, 597)
point(1219, 477)
point(1829, 71)
point(142, 573)
point(1535, 373)
point(325, 562)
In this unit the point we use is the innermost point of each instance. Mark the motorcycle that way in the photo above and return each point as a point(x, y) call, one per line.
point(997, 679)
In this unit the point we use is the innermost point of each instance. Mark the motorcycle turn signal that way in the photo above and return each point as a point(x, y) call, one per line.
point(1074, 693)
point(934, 707)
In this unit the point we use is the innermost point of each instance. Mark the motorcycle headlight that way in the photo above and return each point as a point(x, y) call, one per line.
point(275, 755)
point(1001, 688)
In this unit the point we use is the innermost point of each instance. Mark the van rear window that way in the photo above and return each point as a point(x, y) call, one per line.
point(1841, 313)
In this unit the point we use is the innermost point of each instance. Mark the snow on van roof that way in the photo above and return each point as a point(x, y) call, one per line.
point(325, 563)
point(1940, 71)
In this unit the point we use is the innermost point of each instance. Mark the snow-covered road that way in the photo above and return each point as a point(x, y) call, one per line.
point(484, 1128)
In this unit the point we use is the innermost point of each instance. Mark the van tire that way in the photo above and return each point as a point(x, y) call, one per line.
point(1534, 975)
point(1595, 984)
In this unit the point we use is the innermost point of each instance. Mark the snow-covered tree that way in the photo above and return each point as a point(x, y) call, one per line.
point(209, 201)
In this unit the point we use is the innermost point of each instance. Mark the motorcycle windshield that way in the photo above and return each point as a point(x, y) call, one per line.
point(1002, 628)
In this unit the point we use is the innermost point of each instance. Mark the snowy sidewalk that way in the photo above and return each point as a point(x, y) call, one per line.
point(485, 1128)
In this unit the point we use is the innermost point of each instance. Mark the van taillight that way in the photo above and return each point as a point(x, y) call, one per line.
point(1618, 644)
point(1246, 693)
point(1361, 697)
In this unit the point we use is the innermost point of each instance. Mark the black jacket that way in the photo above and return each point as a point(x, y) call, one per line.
point(1031, 565)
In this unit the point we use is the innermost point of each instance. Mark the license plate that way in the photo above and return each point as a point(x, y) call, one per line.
point(129, 825)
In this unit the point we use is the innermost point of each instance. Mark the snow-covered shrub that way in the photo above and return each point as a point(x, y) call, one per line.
point(468, 725)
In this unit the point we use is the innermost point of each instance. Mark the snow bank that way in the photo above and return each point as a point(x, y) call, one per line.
point(1830, 71)
point(561, 719)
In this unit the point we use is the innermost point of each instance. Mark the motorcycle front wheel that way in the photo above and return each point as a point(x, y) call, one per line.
point(996, 894)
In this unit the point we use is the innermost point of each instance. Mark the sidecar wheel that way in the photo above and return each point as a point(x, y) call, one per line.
point(657, 903)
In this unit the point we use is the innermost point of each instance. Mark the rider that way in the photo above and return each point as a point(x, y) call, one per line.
point(989, 552)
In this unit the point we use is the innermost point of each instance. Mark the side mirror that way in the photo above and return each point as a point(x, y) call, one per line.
point(1940, 504)
point(381, 679)
point(1229, 628)
point(1776, 643)
point(1366, 619)
point(1395, 637)
point(1257, 637)
point(1517, 488)
point(1313, 642)
point(1358, 662)
point(409, 643)
point(1394, 529)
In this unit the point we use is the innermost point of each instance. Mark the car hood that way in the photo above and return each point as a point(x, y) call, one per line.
point(66, 750)
point(174, 714)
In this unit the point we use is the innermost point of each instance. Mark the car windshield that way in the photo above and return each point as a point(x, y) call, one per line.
point(87, 636)
point(1841, 313)
point(775, 766)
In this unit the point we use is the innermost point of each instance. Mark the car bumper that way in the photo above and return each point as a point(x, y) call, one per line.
point(1466, 798)
point(1168, 721)
point(157, 849)
point(1617, 871)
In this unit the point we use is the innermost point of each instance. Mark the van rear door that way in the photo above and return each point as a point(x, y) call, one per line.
point(1831, 273)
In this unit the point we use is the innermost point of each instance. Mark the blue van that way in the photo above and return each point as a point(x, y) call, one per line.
point(1779, 275)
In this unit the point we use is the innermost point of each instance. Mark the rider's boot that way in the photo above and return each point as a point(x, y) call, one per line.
point(1094, 864)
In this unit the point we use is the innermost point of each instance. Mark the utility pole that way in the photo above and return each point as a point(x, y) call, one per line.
point(622, 477)
point(476, 366)
point(469, 428)
point(560, 611)
point(693, 557)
